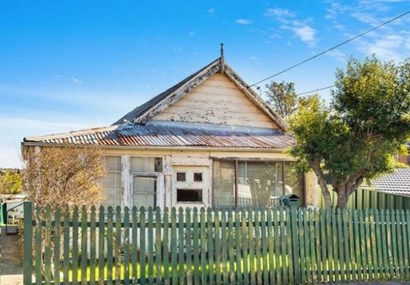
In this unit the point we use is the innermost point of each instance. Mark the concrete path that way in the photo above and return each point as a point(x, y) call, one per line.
point(11, 270)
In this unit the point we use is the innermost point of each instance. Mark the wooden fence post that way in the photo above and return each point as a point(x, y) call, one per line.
point(28, 239)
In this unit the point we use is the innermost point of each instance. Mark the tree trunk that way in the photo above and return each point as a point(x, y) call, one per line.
point(342, 196)
point(325, 192)
point(315, 165)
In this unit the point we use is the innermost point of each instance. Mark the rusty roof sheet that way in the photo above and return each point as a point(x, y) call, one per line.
point(157, 135)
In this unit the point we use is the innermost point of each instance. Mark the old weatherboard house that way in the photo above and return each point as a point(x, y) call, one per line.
point(209, 141)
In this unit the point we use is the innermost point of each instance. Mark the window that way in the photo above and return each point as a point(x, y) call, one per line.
point(112, 181)
point(146, 164)
point(189, 195)
point(259, 184)
point(198, 176)
point(144, 191)
point(181, 176)
point(145, 172)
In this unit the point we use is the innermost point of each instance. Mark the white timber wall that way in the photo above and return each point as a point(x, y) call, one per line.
point(217, 101)
point(198, 157)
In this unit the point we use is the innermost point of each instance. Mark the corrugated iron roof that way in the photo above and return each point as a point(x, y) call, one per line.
point(397, 182)
point(171, 135)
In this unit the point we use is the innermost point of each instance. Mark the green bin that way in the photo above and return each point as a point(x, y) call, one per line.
point(291, 200)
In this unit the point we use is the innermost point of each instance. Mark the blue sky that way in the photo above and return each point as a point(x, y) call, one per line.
point(67, 65)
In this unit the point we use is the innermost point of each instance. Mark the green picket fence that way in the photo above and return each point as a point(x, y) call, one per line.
point(369, 199)
point(248, 246)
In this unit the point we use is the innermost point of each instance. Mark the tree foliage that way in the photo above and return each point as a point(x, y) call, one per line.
point(282, 97)
point(354, 138)
point(64, 176)
point(10, 182)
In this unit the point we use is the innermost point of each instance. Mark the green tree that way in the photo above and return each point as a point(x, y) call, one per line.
point(282, 97)
point(11, 182)
point(354, 138)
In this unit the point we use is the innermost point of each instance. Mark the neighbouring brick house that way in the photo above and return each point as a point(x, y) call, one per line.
point(209, 141)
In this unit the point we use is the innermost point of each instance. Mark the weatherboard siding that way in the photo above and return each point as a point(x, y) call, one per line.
point(217, 101)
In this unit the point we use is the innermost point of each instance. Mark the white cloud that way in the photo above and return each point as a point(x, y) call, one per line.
point(366, 18)
point(76, 80)
point(389, 42)
point(71, 79)
point(191, 34)
point(243, 22)
point(211, 11)
point(177, 49)
point(279, 13)
point(305, 33)
point(340, 56)
point(302, 28)
point(387, 47)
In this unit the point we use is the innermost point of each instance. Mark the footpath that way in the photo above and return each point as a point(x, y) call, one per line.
point(11, 270)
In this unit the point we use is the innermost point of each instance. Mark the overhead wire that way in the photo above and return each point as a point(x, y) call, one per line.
point(316, 90)
point(332, 48)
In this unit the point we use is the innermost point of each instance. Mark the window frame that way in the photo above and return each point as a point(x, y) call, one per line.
point(236, 162)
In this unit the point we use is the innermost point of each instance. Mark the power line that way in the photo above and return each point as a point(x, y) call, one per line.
point(332, 48)
point(316, 90)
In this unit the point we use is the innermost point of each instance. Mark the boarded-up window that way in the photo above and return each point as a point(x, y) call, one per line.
point(259, 184)
point(112, 181)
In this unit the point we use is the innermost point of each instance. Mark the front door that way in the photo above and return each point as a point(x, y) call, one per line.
point(190, 186)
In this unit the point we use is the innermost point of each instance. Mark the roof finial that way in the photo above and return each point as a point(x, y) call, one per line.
point(222, 60)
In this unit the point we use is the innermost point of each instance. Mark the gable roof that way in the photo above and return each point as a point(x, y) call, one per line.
point(137, 129)
point(397, 182)
point(144, 113)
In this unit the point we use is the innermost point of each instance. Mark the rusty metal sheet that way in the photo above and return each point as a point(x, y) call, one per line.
point(170, 136)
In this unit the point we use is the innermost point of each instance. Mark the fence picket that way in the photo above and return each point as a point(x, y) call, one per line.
point(166, 246)
point(405, 243)
point(84, 246)
point(196, 249)
point(224, 244)
point(231, 247)
point(75, 246)
point(101, 243)
point(174, 249)
point(203, 243)
point(150, 246)
point(126, 245)
point(245, 245)
point(159, 245)
point(181, 248)
point(93, 242)
point(135, 245)
point(211, 231)
point(257, 242)
point(57, 245)
point(47, 246)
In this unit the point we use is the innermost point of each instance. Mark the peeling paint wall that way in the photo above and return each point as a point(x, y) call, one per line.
point(217, 101)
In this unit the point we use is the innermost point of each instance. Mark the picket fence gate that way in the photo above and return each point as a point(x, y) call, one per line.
point(198, 246)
